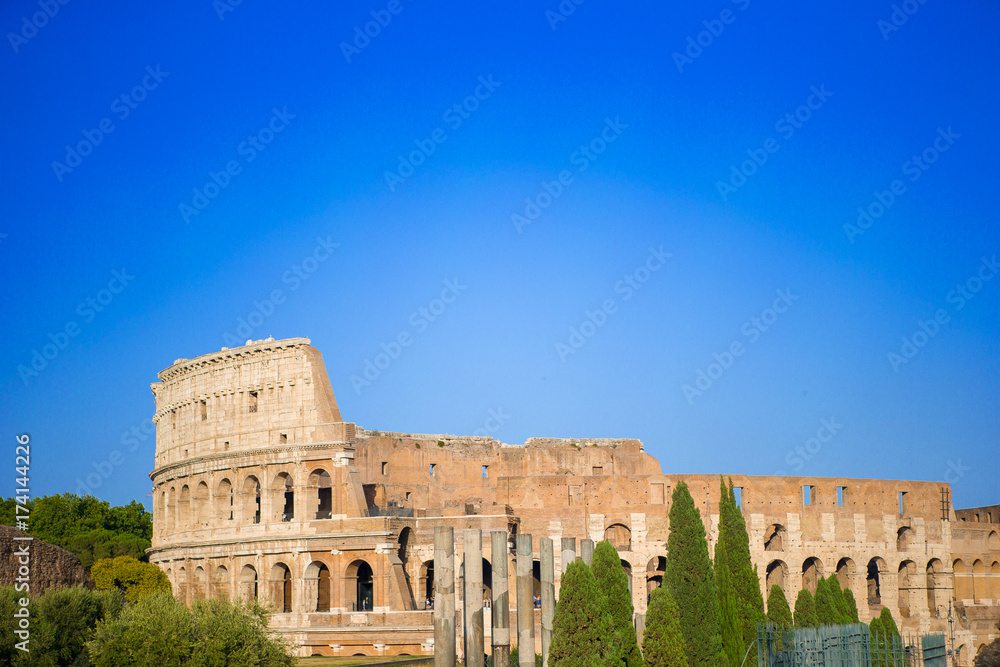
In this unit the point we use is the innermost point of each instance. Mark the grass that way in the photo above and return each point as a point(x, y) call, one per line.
point(319, 661)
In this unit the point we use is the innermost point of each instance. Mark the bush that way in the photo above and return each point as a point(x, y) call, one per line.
point(134, 579)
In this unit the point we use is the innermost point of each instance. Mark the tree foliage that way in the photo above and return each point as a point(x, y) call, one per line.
point(580, 627)
point(133, 578)
point(778, 611)
point(840, 600)
point(743, 574)
point(852, 607)
point(729, 621)
point(805, 610)
point(825, 603)
point(690, 580)
point(616, 604)
point(663, 643)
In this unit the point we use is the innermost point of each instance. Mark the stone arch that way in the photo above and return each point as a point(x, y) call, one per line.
point(934, 570)
point(904, 538)
point(812, 570)
point(876, 568)
point(905, 581)
point(979, 580)
point(487, 583)
point(281, 588)
point(403, 552)
point(283, 498)
point(961, 655)
point(995, 582)
point(993, 541)
point(359, 586)
point(963, 580)
point(845, 571)
point(220, 583)
point(248, 583)
point(775, 537)
point(182, 585)
point(200, 509)
point(319, 479)
point(318, 590)
point(250, 499)
point(655, 569)
point(199, 584)
point(775, 574)
point(171, 509)
point(627, 566)
point(425, 584)
point(224, 501)
point(184, 509)
point(619, 535)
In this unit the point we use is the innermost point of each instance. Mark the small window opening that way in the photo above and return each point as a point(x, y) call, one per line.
point(203, 408)
point(283, 438)
point(598, 470)
point(385, 467)
point(807, 495)
point(225, 445)
point(433, 466)
point(486, 472)
point(841, 492)
point(253, 402)
point(738, 492)
point(408, 495)
point(902, 503)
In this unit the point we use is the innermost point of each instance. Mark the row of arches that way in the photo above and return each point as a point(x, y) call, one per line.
point(978, 581)
point(776, 538)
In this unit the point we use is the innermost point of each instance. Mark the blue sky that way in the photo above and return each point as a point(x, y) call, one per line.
point(645, 221)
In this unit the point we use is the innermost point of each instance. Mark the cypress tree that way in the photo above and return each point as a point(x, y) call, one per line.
point(579, 628)
point(729, 621)
point(746, 582)
point(616, 604)
point(843, 611)
point(663, 643)
point(805, 610)
point(852, 607)
point(877, 642)
point(888, 623)
point(690, 580)
point(826, 607)
point(777, 607)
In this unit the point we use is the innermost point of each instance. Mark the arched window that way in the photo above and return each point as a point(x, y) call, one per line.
point(933, 570)
point(199, 588)
point(184, 509)
point(426, 585)
point(903, 538)
point(360, 586)
point(284, 498)
point(876, 566)
point(251, 500)
point(993, 541)
point(248, 583)
point(845, 571)
point(906, 579)
point(319, 480)
point(995, 582)
point(200, 508)
point(776, 571)
point(978, 580)
point(963, 580)
point(224, 501)
point(655, 569)
point(281, 588)
point(182, 585)
point(619, 535)
point(317, 581)
point(812, 570)
point(774, 537)
point(220, 584)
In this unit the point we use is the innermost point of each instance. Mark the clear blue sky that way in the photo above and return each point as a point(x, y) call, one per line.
point(649, 145)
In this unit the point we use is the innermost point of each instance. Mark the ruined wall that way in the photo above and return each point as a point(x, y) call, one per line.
point(49, 565)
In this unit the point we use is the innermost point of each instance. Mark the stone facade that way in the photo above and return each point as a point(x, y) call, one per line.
point(261, 489)
point(48, 565)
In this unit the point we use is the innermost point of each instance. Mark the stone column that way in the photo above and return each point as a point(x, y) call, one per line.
point(525, 604)
point(587, 550)
point(473, 547)
point(568, 552)
point(444, 597)
point(548, 577)
point(501, 600)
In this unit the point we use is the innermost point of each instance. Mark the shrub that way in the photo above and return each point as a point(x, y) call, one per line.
point(134, 579)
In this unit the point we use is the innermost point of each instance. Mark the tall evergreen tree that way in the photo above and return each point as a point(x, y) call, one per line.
point(826, 607)
point(663, 643)
point(852, 607)
point(746, 582)
point(616, 603)
point(888, 623)
point(729, 620)
point(579, 628)
point(877, 642)
point(777, 607)
point(690, 580)
point(805, 610)
point(843, 610)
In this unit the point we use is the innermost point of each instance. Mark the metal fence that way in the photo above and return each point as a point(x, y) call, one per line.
point(845, 646)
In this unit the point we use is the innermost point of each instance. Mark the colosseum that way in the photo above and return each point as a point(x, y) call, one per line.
point(261, 489)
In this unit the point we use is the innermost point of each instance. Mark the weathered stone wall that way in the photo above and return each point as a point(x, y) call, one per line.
point(49, 565)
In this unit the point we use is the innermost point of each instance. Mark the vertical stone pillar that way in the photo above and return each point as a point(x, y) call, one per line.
point(568, 552)
point(587, 551)
point(525, 604)
point(501, 600)
point(548, 577)
point(473, 547)
point(444, 597)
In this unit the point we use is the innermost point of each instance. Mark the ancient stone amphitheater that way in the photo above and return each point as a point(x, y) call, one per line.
point(261, 489)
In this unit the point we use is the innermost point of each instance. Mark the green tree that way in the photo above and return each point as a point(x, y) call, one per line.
point(746, 582)
point(9, 624)
point(663, 643)
point(888, 623)
point(134, 579)
point(852, 607)
point(616, 603)
point(729, 623)
point(840, 600)
point(877, 642)
point(580, 627)
point(690, 580)
point(778, 611)
point(826, 606)
point(805, 610)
